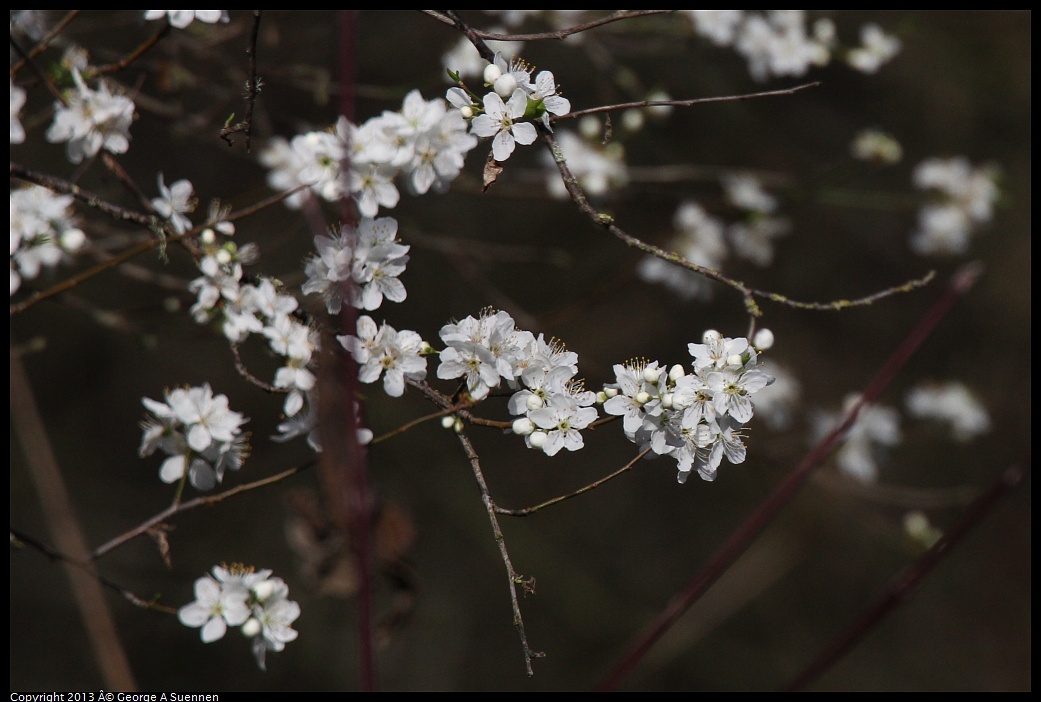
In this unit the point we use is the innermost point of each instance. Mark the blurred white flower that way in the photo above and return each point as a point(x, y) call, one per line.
point(951, 403)
point(876, 428)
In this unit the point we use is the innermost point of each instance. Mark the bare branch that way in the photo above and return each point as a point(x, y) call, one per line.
point(42, 45)
point(512, 576)
point(749, 294)
point(180, 507)
point(21, 540)
point(252, 90)
point(137, 53)
point(244, 372)
point(450, 18)
point(682, 103)
point(557, 500)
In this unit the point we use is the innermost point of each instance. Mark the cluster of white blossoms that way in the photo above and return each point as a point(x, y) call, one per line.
point(695, 417)
point(179, 19)
point(551, 405)
point(200, 435)
point(707, 241)
point(505, 114)
point(239, 596)
point(396, 355)
point(260, 307)
point(43, 232)
point(359, 265)
point(424, 144)
point(964, 200)
point(781, 43)
point(878, 427)
point(91, 120)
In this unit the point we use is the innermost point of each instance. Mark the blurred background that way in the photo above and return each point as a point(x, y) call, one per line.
point(606, 563)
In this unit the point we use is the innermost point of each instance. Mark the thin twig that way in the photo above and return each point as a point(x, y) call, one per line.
point(904, 584)
point(446, 402)
point(835, 305)
point(252, 90)
point(512, 576)
point(749, 294)
point(44, 78)
point(180, 507)
point(450, 18)
point(244, 372)
point(137, 53)
point(116, 169)
point(739, 541)
point(682, 103)
point(20, 539)
point(64, 187)
point(557, 500)
point(42, 45)
point(425, 418)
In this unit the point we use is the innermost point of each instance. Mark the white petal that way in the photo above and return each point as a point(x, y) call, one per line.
point(503, 145)
point(525, 133)
point(214, 629)
point(172, 469)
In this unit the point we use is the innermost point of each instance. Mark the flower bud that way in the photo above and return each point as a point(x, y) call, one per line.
point(448, 421)
point(534, 402)
point(466, 111)
point(263, 590)
point(763, 339)
point(504, 85)
point(651, 375)
point(610, 392)
point(676, 372)
point(252, 628)
point(72, 240)
point(642, 398)
point(710, 336)
point(735, 359)
point(537, 439)
point(666, 400)
point(523, 426)
point(491, 73)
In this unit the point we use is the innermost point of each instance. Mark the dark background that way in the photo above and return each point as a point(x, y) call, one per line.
point(607, 562)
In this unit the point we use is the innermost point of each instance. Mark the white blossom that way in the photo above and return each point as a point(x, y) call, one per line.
point(90, 120)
